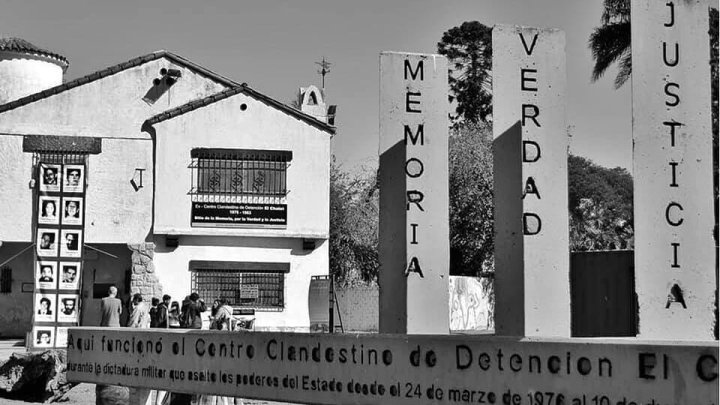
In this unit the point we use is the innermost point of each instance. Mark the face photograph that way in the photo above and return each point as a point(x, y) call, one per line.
point(70, 243)
point(45, 307)
point(69, 275)
point(43, 336)
point(49, 177)
point(67, 308)
point(45, 275)
point(47, 242)
point(73, 178)
point(49, 208)
point(72, 211)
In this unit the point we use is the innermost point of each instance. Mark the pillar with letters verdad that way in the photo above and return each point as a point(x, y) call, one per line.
point(532, 290)
point(414, 248)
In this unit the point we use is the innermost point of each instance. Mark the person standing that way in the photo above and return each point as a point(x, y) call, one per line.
point(162, 313)
point(153, 312)
point(193, 312)
point(110, 309)
point(140, 316)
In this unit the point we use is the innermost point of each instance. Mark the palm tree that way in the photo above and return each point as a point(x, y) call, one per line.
point(610, 42)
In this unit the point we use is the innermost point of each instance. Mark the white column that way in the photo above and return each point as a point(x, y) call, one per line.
point(675, 274)
point(532, 293)
point(414, 231)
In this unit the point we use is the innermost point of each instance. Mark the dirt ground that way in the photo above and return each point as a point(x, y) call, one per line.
point(82, 394)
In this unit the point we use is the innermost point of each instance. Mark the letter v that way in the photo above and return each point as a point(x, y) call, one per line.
point(532, 45)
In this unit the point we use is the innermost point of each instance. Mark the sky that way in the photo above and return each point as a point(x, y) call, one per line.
point(273, 46)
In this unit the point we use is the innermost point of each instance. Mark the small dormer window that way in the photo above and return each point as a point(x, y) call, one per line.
point(312, 98)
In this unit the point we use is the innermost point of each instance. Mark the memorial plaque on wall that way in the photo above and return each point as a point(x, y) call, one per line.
point(238, 214)
point(59, 246)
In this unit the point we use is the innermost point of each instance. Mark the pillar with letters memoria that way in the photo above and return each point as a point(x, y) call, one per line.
point(414, 246)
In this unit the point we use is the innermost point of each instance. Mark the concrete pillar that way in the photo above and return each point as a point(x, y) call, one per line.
point(532, 290)
point(143, 279)
point(414, 231)
point(675, 271)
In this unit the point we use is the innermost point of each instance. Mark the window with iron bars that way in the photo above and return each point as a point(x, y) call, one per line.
point(263, 290)
point(240, 173)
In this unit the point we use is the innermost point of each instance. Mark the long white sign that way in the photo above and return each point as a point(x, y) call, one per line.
point(397, 369)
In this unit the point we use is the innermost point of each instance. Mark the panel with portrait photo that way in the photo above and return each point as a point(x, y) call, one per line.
point(45, 307)
point(69, 275)
point(72, 211)
point(49, 177)
point(70, 243)
point(46, 275)
point(68, 307)
point(61, 336)
point(73, 178)
point(47, 242)
point(43, 336)
point(49, 210)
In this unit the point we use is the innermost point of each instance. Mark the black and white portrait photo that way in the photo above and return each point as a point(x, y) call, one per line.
point(70, 243)
point(69, 278)
point(45, 307)
point(43, 336)
point(49, 210)
point(46, 275)
point(49, 177)
point(67, 308)
point(72, 211)
point(73, 178)
point(47, 242)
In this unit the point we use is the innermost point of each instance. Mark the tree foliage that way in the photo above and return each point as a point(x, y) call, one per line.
point(601, 206)
point(471, 200)
point(469, 52)
point(353, 227)
point(610, 42)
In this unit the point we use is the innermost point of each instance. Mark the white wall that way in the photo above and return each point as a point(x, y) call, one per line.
point(172, 267)
point(224, 125)
point(112, 109)
point(22, 75)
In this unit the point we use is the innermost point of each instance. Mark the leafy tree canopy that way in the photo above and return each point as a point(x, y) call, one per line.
point(469, 52)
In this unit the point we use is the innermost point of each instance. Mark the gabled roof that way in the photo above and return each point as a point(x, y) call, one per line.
point(115, 69)
point(13, 44)
point(244, 89)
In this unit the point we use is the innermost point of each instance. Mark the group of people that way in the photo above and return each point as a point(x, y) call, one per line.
point(168, 315)
point(164, 314)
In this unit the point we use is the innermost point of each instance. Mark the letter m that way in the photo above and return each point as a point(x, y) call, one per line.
point(413, 75)
point(419, 134)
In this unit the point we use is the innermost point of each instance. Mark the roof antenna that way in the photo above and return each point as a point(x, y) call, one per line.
point(324, 69)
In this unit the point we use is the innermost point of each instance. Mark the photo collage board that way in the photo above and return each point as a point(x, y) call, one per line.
point(59, 226)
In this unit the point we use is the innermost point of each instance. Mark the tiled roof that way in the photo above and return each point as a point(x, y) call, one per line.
point(244, 89)
point(13, 44)
point(115, 69)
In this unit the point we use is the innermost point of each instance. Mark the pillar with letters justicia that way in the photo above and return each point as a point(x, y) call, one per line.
point(675, 269)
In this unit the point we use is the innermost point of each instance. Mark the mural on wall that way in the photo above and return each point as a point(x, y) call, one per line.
point(470, 305)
